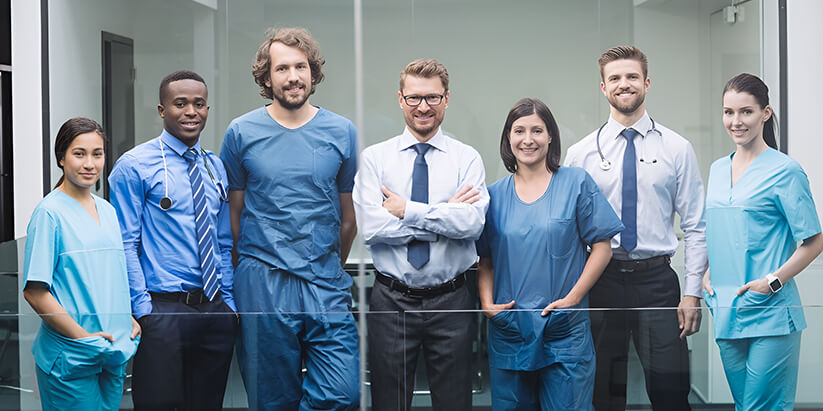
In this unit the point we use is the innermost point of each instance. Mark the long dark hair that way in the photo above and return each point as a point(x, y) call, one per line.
point(526, 107)
point(72, 128)
point(751, 84)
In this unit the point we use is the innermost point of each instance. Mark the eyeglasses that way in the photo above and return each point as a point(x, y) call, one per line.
point(431, 99)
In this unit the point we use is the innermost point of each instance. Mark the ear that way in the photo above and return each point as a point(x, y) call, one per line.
point(161, 111)
point(446, 100)
point(648, 82)
point(400, 98)
point(767, 113)
point(603, 88)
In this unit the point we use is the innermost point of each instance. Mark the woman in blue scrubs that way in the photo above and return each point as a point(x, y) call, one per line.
point(758, 207)
point(534, 267)
point(75, 278)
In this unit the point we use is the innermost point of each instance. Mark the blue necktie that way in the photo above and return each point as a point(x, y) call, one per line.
point(418, 253)
point(628, 238)
point(205, 231)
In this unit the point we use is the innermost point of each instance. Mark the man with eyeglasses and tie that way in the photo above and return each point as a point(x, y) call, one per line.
point(648, 173)
point(420, 200)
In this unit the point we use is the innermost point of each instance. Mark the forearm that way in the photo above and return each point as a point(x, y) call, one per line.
point(485, 282)
point(44, 304)
point(598, 260)
point(236, 204)
point(801, 258)
point(457, 221)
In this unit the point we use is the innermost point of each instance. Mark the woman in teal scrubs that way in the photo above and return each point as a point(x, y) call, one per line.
point(534, 267)
point(75, 278)
point(758, 207)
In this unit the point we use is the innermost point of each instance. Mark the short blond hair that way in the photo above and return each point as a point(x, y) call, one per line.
point(425, 68)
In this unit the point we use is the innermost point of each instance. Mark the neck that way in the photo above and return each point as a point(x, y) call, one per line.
point(534, 172)
point(747, 152)
point(80, 194)
point(628, 120)
point(423, 138)
point(292, 118)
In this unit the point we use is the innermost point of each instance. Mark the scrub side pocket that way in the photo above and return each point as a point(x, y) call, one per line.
point(504, 328)
point(79, 358)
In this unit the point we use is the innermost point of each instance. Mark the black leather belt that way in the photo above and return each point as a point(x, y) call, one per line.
point(629, 266)
point(425, 292)
point(188, 298)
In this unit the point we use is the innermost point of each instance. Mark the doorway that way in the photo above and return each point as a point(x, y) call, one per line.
point(118, 102)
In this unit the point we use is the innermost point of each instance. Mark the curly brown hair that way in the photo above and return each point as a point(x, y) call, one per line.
point(293, 37)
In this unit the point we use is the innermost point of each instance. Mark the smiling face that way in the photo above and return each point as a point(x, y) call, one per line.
point(744, 118)
point(83, 161)
point(289, 76)
point(423, 120)
point(624, 85)
point(184, 110)
point(529, 141)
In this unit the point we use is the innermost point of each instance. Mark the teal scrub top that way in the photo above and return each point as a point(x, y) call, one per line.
point(538, 250)
point(84, 266)
point(752, 228)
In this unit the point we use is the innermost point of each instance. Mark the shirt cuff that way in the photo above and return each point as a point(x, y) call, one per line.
point(142, 308)
point(693, 286)
point(414, 213)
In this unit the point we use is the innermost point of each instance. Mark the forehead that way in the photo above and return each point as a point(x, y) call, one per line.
point(734, 98)
point(90, 140)
point(282, 54)
point(422, 85)
point(529, 121)
point(186, 88)
point(622, 67)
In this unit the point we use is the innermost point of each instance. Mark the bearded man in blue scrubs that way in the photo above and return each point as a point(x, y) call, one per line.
point(648, 173)
point(291, 169)
point(171, 202)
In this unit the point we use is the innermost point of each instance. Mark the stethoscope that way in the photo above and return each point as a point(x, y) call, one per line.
point(165, 202)
point(606, 164)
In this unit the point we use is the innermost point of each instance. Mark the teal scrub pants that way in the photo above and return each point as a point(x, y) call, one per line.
point(100, 391)
point(762, 371)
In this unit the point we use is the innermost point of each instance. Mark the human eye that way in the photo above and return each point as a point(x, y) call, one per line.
point(538, 130)
point(747, 111)
point(199, 104)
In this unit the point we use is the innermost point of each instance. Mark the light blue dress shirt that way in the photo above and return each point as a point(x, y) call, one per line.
point(161, 245)
point(451, 228)
point(668, 182)
point(752, 229)
point(82, 262)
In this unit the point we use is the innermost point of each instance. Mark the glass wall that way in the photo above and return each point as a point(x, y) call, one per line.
point(496, 53)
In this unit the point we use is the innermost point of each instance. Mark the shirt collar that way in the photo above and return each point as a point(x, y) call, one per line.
point(642, 126)
point(407, 140)
point(176, 145)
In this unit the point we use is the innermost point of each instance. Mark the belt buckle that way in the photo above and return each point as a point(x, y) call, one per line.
point(189, 299)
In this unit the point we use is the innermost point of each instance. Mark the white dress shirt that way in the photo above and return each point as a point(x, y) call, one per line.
point(450, 228)
point(668, 181)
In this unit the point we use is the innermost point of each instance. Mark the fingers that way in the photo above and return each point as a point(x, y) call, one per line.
point(466, 195)
point(463, 191)
point(135, 329)
point(707, 286)
point(549, 308)
point(691, 322)
point(743, 289)
point(494, 309)
point(386, 191)
point(104, 335)
point(508, 306)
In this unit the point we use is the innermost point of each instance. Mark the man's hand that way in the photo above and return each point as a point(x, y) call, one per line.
point(490, 310)
point(135, 328)
point(393, 203)
point(689, 315)
point(466, 195)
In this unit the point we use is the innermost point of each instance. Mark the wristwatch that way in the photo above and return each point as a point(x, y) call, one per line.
point(774, 283)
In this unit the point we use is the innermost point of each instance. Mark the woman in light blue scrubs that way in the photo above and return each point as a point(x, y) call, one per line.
point(758, 207)
point(534, 268)
point(75, 278)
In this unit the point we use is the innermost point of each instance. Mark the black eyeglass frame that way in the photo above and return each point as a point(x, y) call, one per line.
point(427, 97)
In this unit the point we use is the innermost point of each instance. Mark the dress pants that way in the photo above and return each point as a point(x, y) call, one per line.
point(396, 338)
point(655, 333)
point(183, 359)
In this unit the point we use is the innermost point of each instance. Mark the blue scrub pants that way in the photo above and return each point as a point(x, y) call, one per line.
point(287, 323)
point(762, 371)
point(100, 391)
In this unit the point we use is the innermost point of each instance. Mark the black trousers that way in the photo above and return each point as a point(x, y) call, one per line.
point(655, 334)
point(182, 362)
point(445, 338)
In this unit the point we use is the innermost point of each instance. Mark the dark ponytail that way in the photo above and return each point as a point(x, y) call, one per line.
point(751, 84)
point(72, 128)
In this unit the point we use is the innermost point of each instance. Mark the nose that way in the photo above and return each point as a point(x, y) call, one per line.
point(293, 74)
point(190, 111)
point(424, 106)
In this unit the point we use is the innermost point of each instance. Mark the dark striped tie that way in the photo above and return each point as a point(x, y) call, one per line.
point(205, 230)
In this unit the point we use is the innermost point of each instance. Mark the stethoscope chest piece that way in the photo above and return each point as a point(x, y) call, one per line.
point(165, 203)
point(605, 165)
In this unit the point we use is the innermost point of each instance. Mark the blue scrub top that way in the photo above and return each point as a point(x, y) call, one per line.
point(752, 228)
point(83, 264)
point(292, 179)
point(539, 250)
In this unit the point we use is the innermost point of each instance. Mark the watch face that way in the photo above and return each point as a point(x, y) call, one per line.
point(775, 285)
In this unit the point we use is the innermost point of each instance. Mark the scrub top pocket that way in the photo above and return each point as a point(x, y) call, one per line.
point(327, 162)
point(562, 237)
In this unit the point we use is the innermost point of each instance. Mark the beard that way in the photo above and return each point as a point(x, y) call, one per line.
point(423, 130)
point(291, 103)
point(629, 107)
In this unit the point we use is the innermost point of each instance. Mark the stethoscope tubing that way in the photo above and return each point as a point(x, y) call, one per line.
point(606, 164)
point(166, 202)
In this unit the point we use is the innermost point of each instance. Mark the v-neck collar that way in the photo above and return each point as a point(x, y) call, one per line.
point(99, 221)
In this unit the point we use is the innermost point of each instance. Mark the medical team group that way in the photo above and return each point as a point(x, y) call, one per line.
point(191, 240)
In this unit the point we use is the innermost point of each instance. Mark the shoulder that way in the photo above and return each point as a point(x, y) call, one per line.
point(784, 164)
point(673, 140)
point(375, 152)
point(583, 146)
point(330, 117)
point(499, 186)
point(460, 148)
point(138, 154)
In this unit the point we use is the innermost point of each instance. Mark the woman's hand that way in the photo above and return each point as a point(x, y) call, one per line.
point(760, 285)
point(490, 310)
point(564, 302)
point(135, 328)
point(707, 283)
